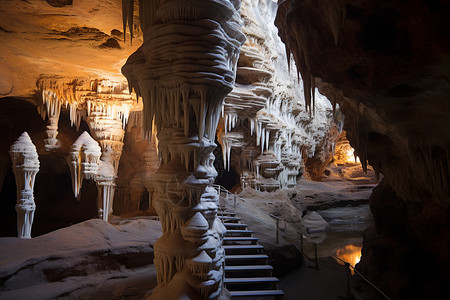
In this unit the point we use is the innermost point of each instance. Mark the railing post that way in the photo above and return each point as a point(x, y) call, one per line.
point(219, 190)
point(315, 256)
point(278, 224)
point(234, 201)
point(301, 243)
point(284, 226)
point(347, 267)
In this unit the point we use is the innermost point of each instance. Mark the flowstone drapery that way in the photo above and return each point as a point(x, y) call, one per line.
point(25, 165)
point(183, 71)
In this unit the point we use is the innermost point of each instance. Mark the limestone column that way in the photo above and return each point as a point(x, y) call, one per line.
point(183, 71)
point(25, 164)
point(105, 186)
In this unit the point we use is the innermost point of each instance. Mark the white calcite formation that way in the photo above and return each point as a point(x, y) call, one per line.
point(83, 161)
point(183, 71)
point(25, 165)
point(51, 108)
point(105, 185)
point(87, 161)
point(268, 128)
point(105, 106)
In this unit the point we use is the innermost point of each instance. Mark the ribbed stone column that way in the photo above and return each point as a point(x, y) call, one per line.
point(25, 165)
point(183, 71)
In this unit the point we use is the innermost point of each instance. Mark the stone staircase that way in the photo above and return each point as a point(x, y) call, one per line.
point(247, 272)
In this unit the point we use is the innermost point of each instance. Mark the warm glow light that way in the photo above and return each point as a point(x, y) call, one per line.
point(350, 156)
point(350, 253)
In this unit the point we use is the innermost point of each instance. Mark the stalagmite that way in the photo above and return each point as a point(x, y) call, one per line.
point(25, 164)
point(183, 71)
point(105, 185)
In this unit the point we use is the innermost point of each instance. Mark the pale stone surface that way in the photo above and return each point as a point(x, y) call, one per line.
point(267, 131)
point(183, 93)
point(25, 165)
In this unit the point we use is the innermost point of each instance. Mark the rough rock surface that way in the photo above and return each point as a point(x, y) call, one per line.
point(91, 259)
point(386, 64)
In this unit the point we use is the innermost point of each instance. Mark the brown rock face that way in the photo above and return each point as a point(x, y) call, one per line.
point(386, 64)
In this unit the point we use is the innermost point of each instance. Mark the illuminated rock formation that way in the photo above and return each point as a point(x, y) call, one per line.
point(87, 161)
point(52, 108)
point(25, 165)
point(265, 110)
point(105, 105)
point(83, 161)
point(183, 71)
point(105, 185)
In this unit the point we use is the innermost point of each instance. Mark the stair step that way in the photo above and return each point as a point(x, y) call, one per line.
point(229, 218)
point(239, 239)
point(250, 280)
point(226, 213)
point(256, 293)
point(254, 256)
point(239, 247)
point(249, 268)
point(235, 221)
point(234, 225)
point(238, 231)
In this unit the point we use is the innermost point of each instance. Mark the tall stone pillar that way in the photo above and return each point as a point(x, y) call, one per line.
point(183, 71)
point(25, 164)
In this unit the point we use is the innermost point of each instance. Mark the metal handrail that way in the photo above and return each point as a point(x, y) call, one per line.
point(278, 219)
point(220, 188)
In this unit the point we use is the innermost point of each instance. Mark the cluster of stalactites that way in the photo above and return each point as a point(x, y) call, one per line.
point(25, 165)
point(52, 108)
point(173, 76)
point(81, 97)
point(86, 161)
point(271, 131)
point(83, 160)
point(291, 35)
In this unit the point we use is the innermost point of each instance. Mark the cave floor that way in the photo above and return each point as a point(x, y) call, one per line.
point(97, 260)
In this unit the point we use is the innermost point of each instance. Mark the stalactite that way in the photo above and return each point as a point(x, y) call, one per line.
point(127, 17)
point(83, 160)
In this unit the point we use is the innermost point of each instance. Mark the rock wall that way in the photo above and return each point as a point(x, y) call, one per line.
point(386, 64)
